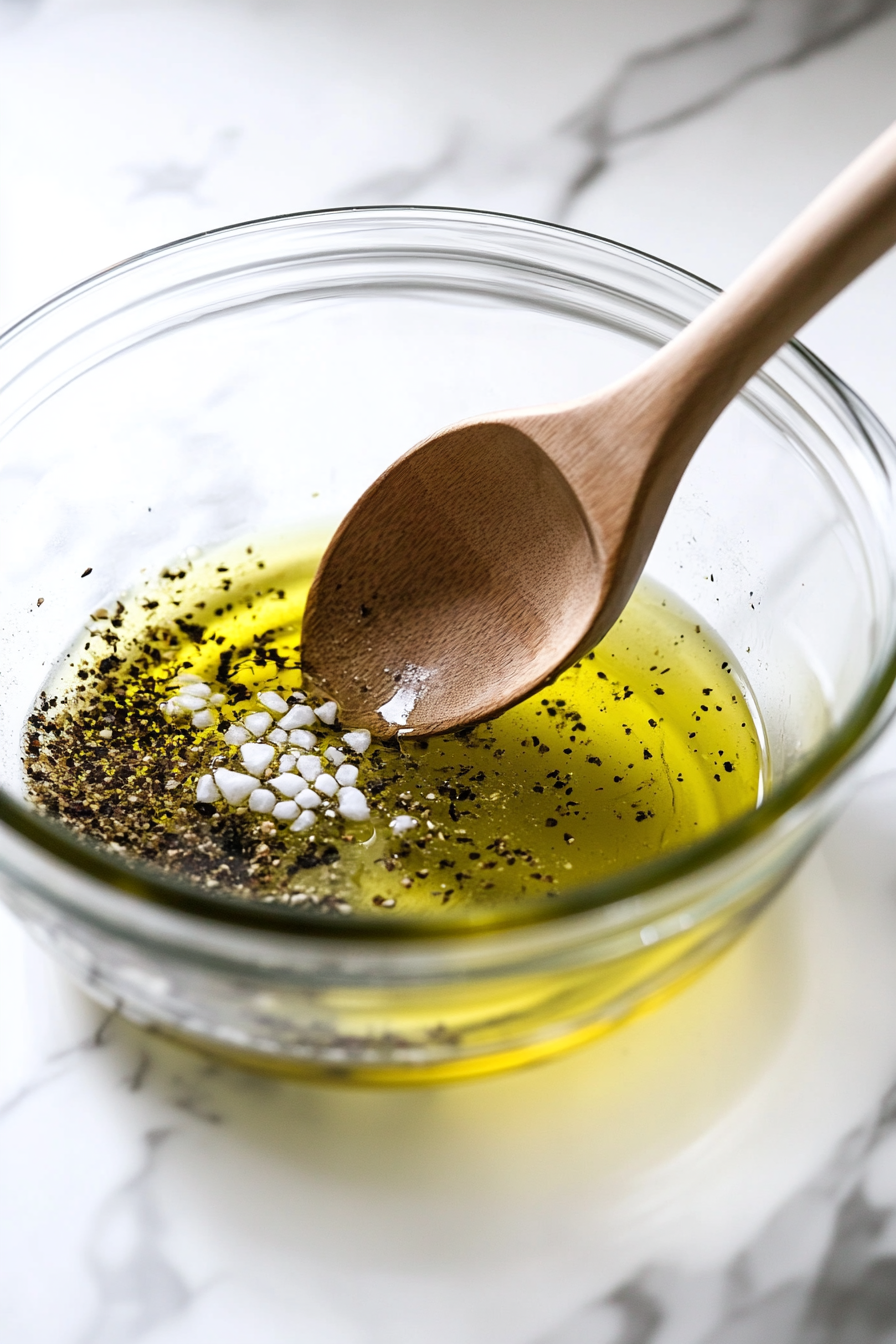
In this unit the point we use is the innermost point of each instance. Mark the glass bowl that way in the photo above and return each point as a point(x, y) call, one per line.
point(254, 381)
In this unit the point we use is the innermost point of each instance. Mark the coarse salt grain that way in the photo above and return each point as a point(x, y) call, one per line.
point(308, 798)
point(217, 699)
point(401, 824)
point(347, 775)
point(105, 734)
point(300, 716)
point(357, 741)
point(262, 800)
point(203, 718)
point(257, 756)
point(236, 736)
point(191, 702)
point(289, 785)
point(309, 768)
point(304, 821)
point(258, 723)
point(326, 785)
point(300, 737)
point(334, 755)
point(327, 712)
point(274, 702)
point(285, 811)
point(206, 790)
point(200, 688)
point(287, 763)
point(278, 736)
point(182, 678)
point(353, 805)
point(234, 786)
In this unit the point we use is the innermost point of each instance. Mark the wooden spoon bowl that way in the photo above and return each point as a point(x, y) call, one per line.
point(490, 557)
point(477, 578)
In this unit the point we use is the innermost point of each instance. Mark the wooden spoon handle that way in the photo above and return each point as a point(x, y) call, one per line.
point(846, 228)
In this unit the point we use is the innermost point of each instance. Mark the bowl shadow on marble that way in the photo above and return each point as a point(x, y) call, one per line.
point(460, 1172)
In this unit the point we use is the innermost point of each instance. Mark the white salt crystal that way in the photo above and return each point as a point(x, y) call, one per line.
point(358, 741)
point(353, 804)
point(285, 811)
point(327, 712)
point(236, 736)
point(309, 768)
point(401, 824)
point(184, 678)
point(347, 774)
point(287, 762)
point(334, 755)
point(300, 737)
point(203, 718)
point(327, 785)
point(105, 733)
point(304, 821)
point(308, 798)
point(256, 757)
point(289, 785)
point(199, 688)
point(217, 699)
point(234, 786)
point(300, 716)
point(173, 708)
point(262, 800)
point(277, 735)
point(258, 723)
point(190, 702)
point(207, 790)
point(328, 812)
point(274, 702)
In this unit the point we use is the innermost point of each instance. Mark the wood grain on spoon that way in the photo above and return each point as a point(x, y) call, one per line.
point(494, 554)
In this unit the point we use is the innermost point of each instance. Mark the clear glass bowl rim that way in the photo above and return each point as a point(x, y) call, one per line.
point(838, 751)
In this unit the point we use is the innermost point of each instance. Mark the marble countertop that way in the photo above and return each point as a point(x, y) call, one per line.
point(722, 1171)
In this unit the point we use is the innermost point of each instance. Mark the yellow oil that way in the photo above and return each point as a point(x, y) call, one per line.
point(646, 745)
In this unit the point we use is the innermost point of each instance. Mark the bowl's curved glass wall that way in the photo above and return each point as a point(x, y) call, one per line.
point(256, 381)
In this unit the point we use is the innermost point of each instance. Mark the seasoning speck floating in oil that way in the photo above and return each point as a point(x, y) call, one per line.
point(178, 734)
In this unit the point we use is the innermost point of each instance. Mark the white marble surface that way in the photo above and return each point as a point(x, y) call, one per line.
point(721, 1172)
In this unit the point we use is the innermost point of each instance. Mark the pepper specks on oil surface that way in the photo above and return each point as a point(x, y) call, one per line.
point(645, 745)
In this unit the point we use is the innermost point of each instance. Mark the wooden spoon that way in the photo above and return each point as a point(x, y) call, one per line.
point(491, 556)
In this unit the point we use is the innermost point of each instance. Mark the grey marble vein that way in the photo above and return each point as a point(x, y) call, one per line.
point(659, 87)
point(137, 1285)
point(57, 1065)
point(821, 1271)
point(403, 184)
point(135, 1080)
point(653, 90)
point(178, 178)
point(188, 1094)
